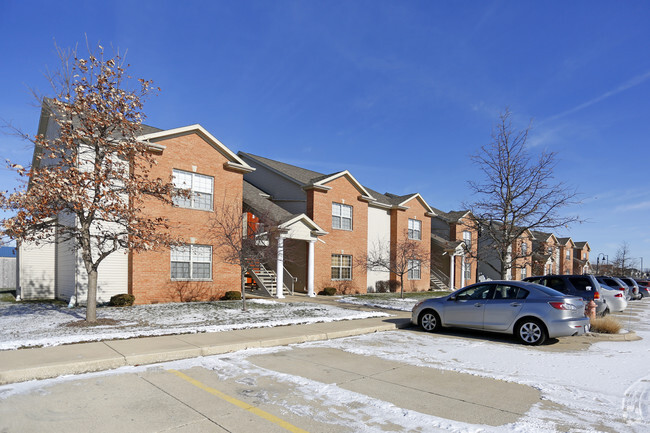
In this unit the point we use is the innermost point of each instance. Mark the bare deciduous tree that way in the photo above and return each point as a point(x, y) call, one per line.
point(518, 193)
point(242, 244)
point(622, 260)
point(87, 183)
point(404, 256)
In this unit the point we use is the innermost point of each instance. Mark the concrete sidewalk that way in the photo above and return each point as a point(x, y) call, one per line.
point(47, 362)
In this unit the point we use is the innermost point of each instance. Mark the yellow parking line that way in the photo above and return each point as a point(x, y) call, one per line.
point(252, 409)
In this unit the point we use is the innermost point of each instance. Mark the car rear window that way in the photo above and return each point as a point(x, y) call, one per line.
point(556, 284)
point(548, 291)
point(581, 283)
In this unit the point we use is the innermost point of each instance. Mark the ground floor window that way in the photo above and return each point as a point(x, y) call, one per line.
point(524, 273)
point(341, 267)
point(414, 270)
point(191, 262)
point(467, 271)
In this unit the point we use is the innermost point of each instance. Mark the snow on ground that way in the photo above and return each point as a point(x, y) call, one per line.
point(390, 301)
point(27, 324)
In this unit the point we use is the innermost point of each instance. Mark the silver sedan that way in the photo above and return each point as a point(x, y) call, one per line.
point(530, 311)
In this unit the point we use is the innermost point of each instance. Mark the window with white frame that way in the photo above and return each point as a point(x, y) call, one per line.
point(524, 273)
point(414, 270)
point(467, 238)
point(341, 216)
point(341, 267)
point(467, 271)
point(524, 249)
point(200, 186)
point(191, 262)
point(415, 229)
point(568, 254)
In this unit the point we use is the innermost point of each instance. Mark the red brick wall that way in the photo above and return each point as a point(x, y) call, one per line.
point(399, 232)
point(566, 265)
point(522, 262)
point(150, 273)
point(319, 209)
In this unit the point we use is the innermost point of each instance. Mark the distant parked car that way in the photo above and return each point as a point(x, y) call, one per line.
point(615, 283)
point(584, 286)
point(615, 299)
point(634, 287)
point(644, 290)
point(531, 312)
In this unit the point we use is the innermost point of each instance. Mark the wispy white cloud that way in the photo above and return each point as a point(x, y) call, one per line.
point(636, 206)
point(633, 82)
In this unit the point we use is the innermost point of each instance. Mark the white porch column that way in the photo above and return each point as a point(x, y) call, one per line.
point(279, 269)
point(452, 276)
point(310, 269)
point(462, 270)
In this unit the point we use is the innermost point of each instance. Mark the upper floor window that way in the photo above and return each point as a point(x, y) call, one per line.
point(524, 249)
point(341, 216)
point(341, 267)
point(200, 186)
point(415, 229)
point(414, 270)
point(467, 238)
point(191, 262)
point(524, 273)
point(568, 254)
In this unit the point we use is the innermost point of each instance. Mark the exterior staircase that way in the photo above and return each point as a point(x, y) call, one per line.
point(438, 280)
point(266, 280)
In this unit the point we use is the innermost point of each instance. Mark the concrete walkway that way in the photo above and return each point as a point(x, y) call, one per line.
point(47, 362)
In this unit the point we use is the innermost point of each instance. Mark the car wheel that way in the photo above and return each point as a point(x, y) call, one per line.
point(430, 321)
point(605, 313)
point(531, 332)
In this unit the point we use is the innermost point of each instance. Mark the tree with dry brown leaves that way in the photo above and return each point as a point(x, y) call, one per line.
point(518, 193)
point(87, 182)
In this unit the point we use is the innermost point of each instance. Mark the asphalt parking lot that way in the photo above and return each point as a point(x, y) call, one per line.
point(401, 381)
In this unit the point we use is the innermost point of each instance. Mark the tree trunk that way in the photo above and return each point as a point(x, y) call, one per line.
point(91, 300)
point(243, 291)
point(401, 286)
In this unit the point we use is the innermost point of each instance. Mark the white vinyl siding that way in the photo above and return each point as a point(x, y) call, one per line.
point(191, 262)
point(341, 216)
point(201, 187)
point(414, 270)
point(415, 229)
point(341, 267)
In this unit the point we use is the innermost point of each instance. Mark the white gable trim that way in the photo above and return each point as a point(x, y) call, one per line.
point(234, 160)
point(365, 194)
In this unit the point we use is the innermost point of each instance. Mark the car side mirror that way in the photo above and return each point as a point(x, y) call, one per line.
point(452, 298)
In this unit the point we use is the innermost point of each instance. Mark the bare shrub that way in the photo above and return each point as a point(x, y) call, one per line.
point(605, 325)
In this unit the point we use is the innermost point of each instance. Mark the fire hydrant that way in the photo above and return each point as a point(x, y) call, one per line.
point(590, 310)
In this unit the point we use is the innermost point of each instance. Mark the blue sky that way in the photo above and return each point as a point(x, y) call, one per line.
point(401, 93)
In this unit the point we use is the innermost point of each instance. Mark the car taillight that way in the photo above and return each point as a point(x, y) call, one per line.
point(621, 289)
point(596, 295)
point(562, 306)
point(618, 295)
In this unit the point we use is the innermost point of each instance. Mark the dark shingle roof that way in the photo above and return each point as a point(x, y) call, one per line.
point(452, 216)
point(259, 201)
point(301, 175)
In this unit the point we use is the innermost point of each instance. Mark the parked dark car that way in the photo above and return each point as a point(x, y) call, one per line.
point(530, 312)
point(634, 287)
point(644, 288)
point(615, 283)
point(584, 286)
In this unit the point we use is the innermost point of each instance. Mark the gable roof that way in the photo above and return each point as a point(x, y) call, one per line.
point(234, 161)
point(308, 179)
point(565, 241)
point(401, 200)
point(259, 201)
point(581, 245)
point(452, 216)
